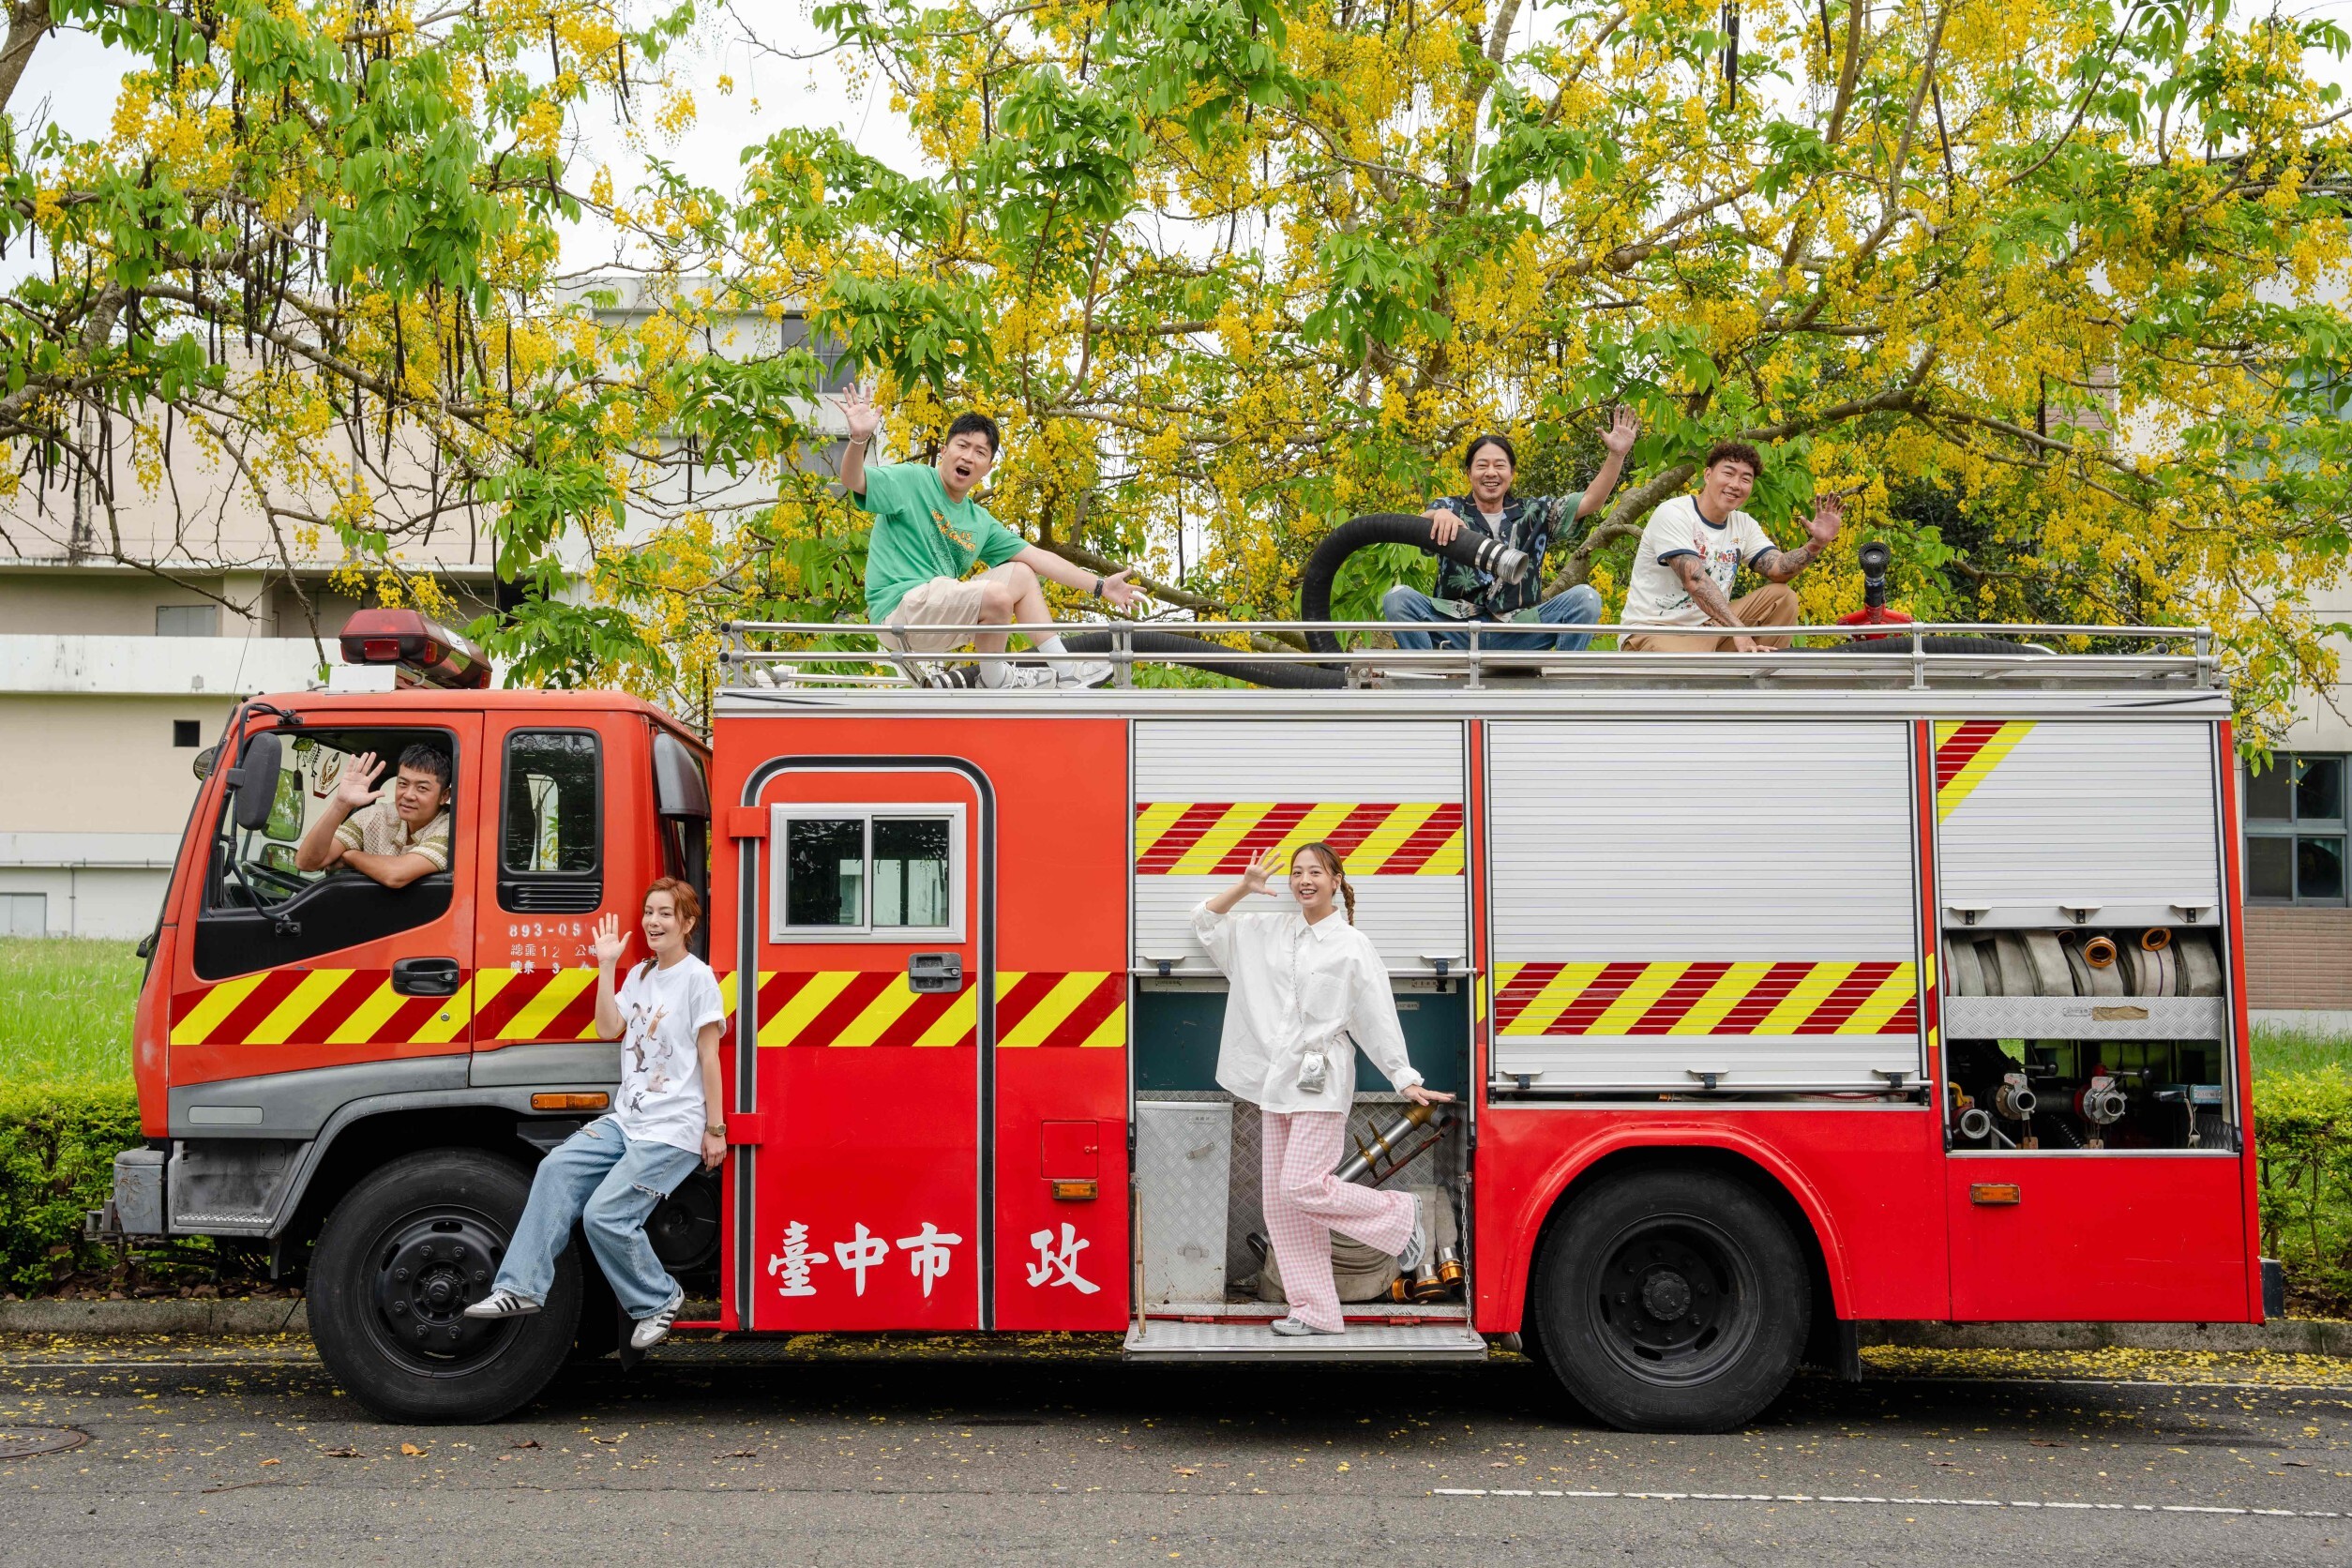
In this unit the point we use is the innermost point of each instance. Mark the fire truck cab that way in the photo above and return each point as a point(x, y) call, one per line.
point(1781, 992)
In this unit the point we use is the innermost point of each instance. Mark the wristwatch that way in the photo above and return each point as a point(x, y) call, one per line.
point(716, 1130)
point(1098, 587)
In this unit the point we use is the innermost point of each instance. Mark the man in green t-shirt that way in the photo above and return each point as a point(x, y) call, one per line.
point(928, 533)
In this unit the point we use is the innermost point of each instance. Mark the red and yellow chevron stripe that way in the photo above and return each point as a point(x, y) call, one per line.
point(1683, 999)
point(358, 1006)
point(315, 1007)
point(832, 1007)
point(1965, 752)
point(1205, 839)
point(865, 1008)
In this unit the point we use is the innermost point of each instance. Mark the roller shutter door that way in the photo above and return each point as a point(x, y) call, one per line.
point(1209, 796)
point(2036, 818)
point(1674, 898)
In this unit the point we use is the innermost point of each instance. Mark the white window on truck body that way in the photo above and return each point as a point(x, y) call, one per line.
point(1680, 900)
point(867, 873)
point(1387, 796)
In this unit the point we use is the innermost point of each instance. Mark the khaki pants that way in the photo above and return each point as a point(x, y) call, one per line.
point(1772, 605)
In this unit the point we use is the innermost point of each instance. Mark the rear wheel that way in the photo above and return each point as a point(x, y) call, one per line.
point(1672, 1300)
point(397, 1262)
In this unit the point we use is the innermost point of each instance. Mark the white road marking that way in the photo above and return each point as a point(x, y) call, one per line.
point(1887, 1502)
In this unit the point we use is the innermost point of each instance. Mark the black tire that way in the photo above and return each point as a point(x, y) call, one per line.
point(389, 1264)
point(1672, 1300)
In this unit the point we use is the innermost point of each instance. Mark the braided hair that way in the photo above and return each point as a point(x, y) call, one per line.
point(1339, 868)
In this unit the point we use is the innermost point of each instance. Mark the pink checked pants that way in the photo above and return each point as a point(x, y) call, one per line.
point(1304, 1203)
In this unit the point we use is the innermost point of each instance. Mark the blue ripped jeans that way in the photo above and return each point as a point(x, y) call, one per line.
point(1580, 606)
point(609, 1185)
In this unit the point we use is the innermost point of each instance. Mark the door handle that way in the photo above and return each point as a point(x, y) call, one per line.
point(935, 972)
point(426, 976)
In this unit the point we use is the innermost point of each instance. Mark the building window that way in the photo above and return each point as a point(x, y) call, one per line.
point(24, 914)
point(2295, 831)
point(187, 619)
point(186, 732)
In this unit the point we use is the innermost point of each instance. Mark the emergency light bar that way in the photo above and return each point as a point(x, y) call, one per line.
point(426, 651)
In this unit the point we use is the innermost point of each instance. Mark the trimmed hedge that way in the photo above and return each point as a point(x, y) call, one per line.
point(2303, 1158)
point(57, 1146)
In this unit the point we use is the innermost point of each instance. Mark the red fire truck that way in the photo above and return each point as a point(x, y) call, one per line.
point(1782, 992)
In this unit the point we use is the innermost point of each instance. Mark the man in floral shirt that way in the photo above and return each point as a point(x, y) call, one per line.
point(1529, 524)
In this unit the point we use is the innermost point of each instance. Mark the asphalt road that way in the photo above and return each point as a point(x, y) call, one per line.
point(255, 1457)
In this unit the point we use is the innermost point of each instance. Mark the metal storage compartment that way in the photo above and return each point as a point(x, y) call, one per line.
point(1183, 1156)
point(1696, 904)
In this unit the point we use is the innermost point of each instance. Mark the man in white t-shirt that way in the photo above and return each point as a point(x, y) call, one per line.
point(1692, 549)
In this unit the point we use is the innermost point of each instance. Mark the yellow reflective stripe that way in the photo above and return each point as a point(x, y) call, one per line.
point(369, 1016)
point(807, 1002)
point(1215, 845)
point(1979, 767)
point(1383, 841)
point(451, 1019)
point(1316, 824)
point(1559, 994)
point(533, 1017)
point(958, 1024)
point(1636, 998)
point(1728, 993)
point(1804, 999)
point(1056, 1005)
point(880, 1014)
point(1445, 860)
point(214, 1010)
point(1152, 823)
point(1112, 1031)
point(1882, 1004)
point(299, 1003)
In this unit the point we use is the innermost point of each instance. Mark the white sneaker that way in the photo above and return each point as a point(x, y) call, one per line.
point(1417, 1244)
point(1023, 677)
point(1085, 672)
point(652, 1330)
point(1294, 1326)
point(503, 1304)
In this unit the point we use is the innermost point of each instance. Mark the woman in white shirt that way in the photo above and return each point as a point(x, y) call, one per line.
point(1306, 990)
point(608, 1177)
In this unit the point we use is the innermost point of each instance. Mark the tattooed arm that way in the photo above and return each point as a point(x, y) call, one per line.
point(1782, 565)
point(1702, 590)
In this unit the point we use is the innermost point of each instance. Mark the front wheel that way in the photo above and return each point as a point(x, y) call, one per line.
point(1672, 1300)
point(397, 1262)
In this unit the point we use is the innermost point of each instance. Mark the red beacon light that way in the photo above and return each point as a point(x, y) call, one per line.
point(425, 652)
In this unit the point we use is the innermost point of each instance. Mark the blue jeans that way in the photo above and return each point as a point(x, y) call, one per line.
point(1579, 607)
point(609, 1185)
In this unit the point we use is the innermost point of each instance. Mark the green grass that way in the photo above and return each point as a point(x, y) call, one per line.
point(2277, 1051)
point(64, 1010)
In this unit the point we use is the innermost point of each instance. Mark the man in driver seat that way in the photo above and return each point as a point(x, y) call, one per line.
point(392, 835)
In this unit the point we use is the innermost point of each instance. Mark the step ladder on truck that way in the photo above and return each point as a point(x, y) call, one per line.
point(1782, 992)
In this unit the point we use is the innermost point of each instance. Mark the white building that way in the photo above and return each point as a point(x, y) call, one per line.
point(115, 672)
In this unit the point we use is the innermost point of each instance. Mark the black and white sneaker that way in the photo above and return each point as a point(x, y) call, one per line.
point(1083, 672)
point(503, 1303)
point(1417, 1246)
point(652, 1330)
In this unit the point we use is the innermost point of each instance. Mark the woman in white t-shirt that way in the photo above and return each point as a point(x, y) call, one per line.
point(609, 1176)
point(1306, 989)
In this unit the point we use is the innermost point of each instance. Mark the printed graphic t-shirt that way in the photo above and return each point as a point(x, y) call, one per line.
point(1656, 596)
point(662, 1010)
point(919, 533)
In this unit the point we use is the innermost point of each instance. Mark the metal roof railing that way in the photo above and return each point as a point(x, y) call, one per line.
point(828, 654)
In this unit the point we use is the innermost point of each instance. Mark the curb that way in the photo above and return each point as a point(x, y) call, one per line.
point(2308, 1336)
point(283, 1315)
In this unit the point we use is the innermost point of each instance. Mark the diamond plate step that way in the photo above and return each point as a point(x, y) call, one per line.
point(1163, 1340)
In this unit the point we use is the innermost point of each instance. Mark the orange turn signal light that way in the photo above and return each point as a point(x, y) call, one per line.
point(597, 1101)
point(1073, 1192)
point(1994, 1194)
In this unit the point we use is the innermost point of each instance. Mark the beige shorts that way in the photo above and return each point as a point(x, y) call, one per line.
point(942, 601)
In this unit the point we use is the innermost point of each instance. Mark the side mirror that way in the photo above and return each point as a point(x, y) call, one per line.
point(255, 781)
